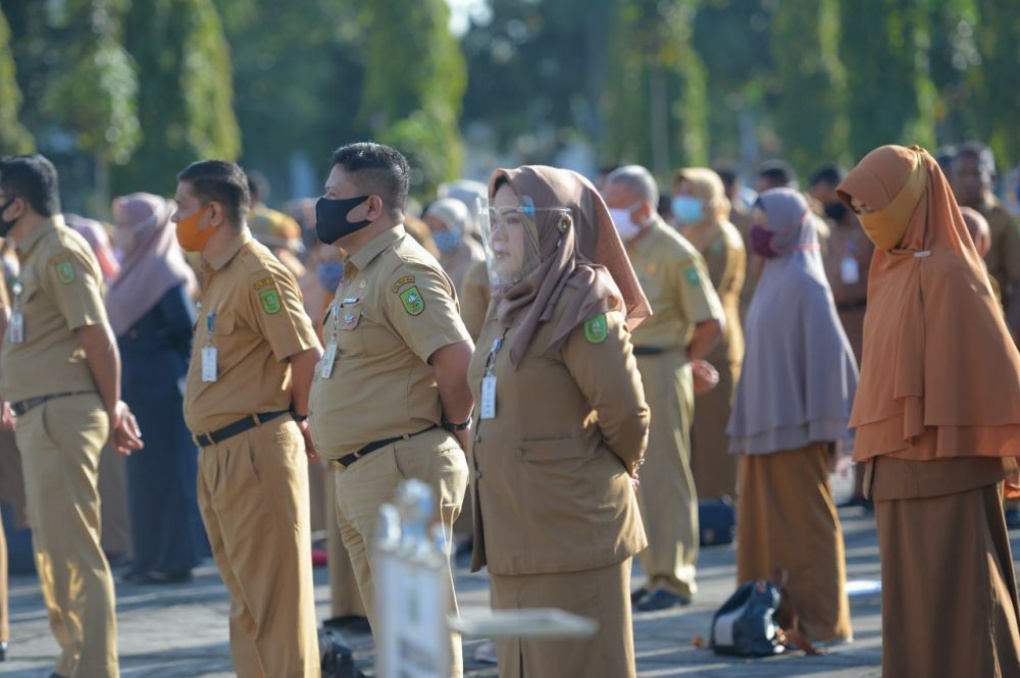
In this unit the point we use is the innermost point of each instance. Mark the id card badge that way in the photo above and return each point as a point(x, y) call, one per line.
point(209, 364)
point(328, 358)
point(849, 271)
point(488, 408)
point(16, 333)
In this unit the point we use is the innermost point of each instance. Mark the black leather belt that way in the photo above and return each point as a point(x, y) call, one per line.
point(219, 435)
point(852, 305)
point(23, 406)
point(345, 461)
point(648, 350)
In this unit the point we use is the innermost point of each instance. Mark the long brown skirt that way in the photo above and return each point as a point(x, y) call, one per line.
point(714, 468)
point(602, 594)
point(949, 594)
point(786, 521)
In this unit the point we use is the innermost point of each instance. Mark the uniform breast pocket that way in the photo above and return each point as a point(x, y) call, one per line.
point(350, 341)
point(226, 336)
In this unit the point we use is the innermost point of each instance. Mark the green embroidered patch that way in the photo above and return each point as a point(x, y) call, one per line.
point(65, 272)
point(596, 329)
point(270, 301)
point(692, 276)
point(413, 303)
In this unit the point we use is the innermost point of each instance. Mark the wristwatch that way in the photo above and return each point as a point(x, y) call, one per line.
point(298, 417)
point(456, 428)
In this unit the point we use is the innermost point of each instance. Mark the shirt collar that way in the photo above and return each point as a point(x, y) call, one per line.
point(223, 257)
point(37, 233)
point(646, 241)
point(376, 246)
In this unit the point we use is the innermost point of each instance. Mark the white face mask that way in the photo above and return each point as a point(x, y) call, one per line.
point(625, 225)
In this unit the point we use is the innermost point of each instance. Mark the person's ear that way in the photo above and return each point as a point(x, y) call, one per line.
point(216, 214)
point(376, 208)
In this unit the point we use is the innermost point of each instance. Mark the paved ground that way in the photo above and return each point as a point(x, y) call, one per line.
point(181, 631)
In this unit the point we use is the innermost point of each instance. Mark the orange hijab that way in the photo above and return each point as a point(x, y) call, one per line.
point(940, 374)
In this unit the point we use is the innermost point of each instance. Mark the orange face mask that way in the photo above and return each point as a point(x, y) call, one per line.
point(190, 236)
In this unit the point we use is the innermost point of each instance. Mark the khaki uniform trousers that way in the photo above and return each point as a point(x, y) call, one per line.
point(60, 443)
point(666, 496)
point(253, 494)
point(5, 613)
point(433, 457)
point(345, 598)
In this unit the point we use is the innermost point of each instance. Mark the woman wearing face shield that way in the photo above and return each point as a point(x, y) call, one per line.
point(702, 210)
point(561, 421)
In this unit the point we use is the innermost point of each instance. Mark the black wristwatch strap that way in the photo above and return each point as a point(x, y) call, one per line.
point(455, 428)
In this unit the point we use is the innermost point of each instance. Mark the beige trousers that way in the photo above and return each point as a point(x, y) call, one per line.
point(602, 594)
point(433, 457)
point(60, 443)
point(345, 598)
point(253, 493)
point(667, 498)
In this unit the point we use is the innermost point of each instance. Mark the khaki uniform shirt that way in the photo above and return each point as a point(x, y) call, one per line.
point(259, 323)
point(551, 491)
point(475, 294)
point(847, 263)
point(677, 286)
point(61, 291)
point(1004, 255)
point(394, 309)
point(460, 262)
point(726, 261)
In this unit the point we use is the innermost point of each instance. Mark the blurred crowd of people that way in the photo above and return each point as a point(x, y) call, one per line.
point(709, 337)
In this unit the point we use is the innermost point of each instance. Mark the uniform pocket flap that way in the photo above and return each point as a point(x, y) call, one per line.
point(223, 324)
point(552, 450)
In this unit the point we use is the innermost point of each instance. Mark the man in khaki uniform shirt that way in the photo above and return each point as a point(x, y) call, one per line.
point(5, 625)
point(60, 372)
point(254, 355)
point(686, 323)
point(973, 178)
point(390, 399)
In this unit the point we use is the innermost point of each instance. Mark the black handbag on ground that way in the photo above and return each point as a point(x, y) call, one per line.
point(744, 625)
point(717, 521)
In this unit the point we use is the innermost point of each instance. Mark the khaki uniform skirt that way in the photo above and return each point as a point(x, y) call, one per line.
point(787, 522)
point(602, 594)
point(949, 594)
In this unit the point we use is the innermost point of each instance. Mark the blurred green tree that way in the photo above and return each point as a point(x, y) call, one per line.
point(656, 97)
point(998, 102)
point(185, 91)
point(92, 88)
point(14, 138)
point(808, 101)
point(415, 79)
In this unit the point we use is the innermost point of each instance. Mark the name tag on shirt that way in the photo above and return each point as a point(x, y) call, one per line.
point(209, 364)
point(488, 406)
point(16, 331)
point(849, 271)
point(328, 358)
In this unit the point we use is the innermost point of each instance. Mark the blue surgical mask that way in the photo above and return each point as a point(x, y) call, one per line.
point(688, 210)
point(331, 273)
point(447, 242)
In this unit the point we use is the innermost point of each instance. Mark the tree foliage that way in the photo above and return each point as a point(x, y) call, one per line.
point(14, 138)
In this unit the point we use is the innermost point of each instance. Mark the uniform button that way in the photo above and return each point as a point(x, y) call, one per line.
point(519, 452)
point(478, 438)
point(478, 475)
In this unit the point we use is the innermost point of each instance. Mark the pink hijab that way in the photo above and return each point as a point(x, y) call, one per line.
point(152, 266)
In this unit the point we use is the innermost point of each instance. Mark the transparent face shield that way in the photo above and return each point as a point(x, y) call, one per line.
point(510, 235)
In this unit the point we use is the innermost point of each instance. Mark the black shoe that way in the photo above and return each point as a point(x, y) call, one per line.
point(661, 600)
point(349, 622)
point(637, 594)
point(3, 650)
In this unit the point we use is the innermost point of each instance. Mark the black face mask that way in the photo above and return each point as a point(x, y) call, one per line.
point(6, 224)
point(836, 211)
point(331, 218)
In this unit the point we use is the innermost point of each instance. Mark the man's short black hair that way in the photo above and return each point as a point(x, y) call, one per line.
point(33, 178)
point(258, 185)
point(979, 152)
point(219, 181)
point(376, 170)
point(728, 176)
point(830, 175)
point(778, 172)
point(944, 156)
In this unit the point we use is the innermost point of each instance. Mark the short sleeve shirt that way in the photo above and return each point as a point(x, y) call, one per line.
point(60, 289)
point(251, 312)
point(676, 283)
point(395, 308)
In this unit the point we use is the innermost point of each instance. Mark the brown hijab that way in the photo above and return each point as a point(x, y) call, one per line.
point(585, 255)
point(941, 375)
